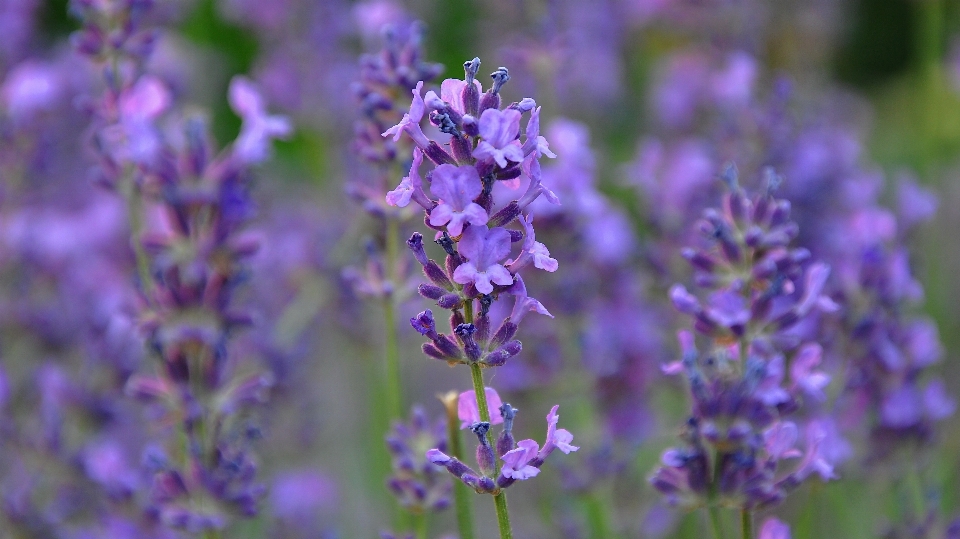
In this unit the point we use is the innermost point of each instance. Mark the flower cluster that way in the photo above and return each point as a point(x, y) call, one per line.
point(384, 78)
point(415, 480)
point(480, 145)
point(756, 321)
point(191, 259)
point(520, 460)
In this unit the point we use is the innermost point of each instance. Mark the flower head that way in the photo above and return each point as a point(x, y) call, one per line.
point(484, 248)
point(469, 413)
point(516, 462)
point(499, 130)
point(457, 187)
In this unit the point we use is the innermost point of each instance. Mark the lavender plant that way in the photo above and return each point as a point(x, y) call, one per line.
point(190, 263)
point(738, 438)
point(482, 148)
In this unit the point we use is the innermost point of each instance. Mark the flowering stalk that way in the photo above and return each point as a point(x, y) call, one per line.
point(738, 436)
point(484, 149)
point(192, 260)
point(461, 501)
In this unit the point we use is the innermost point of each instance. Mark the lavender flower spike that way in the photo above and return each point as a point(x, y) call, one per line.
point(456, 187)
point(252, 146)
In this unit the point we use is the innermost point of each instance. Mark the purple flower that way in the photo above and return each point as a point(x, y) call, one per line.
point(524, 303)
point(533, 250)
point(451, 91)
point(536, 143)
point(774, 529)
point(469, 412)
point(457, 187)
point(559, 438)
point(813, 459)
point(517, 461)
point(410, 123)
point(937, 402)
point(484, 248)
point(410, 186)
point(253, 143)
point(780, 439)
point(499, 130)
point(135, 137)
point(803, 374)
point(29, 88)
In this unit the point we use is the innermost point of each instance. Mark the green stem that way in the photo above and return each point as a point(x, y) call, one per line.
point(596, 516)
point(499, 499)
point(503, 517)
point(134, 203)
point(746, 523)
point(461, 495)
point(915, 484)
point(714, 512)
point(391, 353)
point(421, 526)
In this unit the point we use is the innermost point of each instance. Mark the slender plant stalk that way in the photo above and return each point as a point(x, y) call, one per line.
point(597, 518)
point(134, 203)
point(499, 499)
point(503, 516)
point(714, 512)
point(746, 523)
point(394, 388)
point(421, 526)
point(461, 494)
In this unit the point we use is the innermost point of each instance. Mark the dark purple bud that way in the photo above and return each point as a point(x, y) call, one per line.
point(435, 273)
point(448, 347)
point(515, 235)
point(430, 291)
point(508, 173)
point(470, 94)
point(491, 99)
point(780, 213)
point(506, 442)
point(699, 259)
point(485, 457)
point(450, 301)
point(482, 323)
point(438, 155)
point(465, 333)
point(505, 216)
point(425, 324)
point(434, 352)
point(462, 149)
point(506, 332)
point(471, 127)
point(415, 243)
point(500, 356)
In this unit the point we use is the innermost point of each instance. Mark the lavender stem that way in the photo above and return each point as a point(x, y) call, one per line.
point(746, 523)
point(500, 499)
point(461, 496)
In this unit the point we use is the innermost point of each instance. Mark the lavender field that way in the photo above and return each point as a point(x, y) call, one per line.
point(434, 269)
